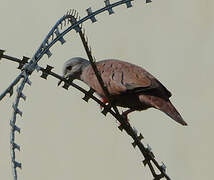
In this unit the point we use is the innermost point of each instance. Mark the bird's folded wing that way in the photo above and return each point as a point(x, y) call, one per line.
point(122, 77)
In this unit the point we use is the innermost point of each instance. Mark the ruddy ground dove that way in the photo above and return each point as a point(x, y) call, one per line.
point(129, 85)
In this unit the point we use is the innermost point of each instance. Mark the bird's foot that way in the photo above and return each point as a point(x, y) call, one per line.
point(125, 117)
point(104, 101)
point(125, 114)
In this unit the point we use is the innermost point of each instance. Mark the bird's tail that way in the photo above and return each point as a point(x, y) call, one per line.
point(167, 107)
point(171, 111)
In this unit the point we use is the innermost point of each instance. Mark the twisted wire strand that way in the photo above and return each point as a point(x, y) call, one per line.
point(14, 127)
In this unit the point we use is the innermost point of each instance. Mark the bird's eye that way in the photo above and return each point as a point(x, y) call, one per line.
point(69, 68)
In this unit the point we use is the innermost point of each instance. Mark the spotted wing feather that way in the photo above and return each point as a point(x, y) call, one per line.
point(122, 77)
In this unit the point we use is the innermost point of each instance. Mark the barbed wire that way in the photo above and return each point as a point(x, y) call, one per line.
point(68, 22)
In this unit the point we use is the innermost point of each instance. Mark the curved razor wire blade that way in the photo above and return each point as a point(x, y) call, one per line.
point(44, 49)
point(14, 128)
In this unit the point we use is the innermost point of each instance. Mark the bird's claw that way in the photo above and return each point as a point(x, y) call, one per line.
point(125, 117)
point(104, 101)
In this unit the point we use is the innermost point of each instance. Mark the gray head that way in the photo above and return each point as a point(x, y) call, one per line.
point(73, 68)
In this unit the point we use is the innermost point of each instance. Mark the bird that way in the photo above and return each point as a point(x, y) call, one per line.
point(129, 86)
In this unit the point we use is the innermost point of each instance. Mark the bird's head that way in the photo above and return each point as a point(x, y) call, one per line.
point(72, 69)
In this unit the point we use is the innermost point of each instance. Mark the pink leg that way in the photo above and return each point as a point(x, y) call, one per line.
point(104, 101)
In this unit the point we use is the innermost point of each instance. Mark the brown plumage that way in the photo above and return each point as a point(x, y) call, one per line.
point(129, 85)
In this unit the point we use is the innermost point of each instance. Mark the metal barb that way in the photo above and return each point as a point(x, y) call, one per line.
point(66, 85)
point(17, 164)
point(139, 138)
point(163, 166)
point(105, 109)
point(87, 97)
point(16, 110)
point(46, 71)
point(22, 96)
point(48, 53)
point(28, 82)
point(107, 4)
point(15, 146)
point(90, 14)
point(23, 62)
point(1, 53)
point(10, 91)
point(148, 1)
point(120, 127)
point(128, 3)
point(158, 176)
point(14, 127)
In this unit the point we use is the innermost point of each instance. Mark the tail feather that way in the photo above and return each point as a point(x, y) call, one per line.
point(171, 111)
point(165, 106)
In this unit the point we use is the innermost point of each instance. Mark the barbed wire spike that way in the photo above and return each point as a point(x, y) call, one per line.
point(66, 85)
point(16, 110)
point(140, 137)
point(90, 14)
point(1, 53)
point(29, 82)
point(107, 4)
point(120, 127)
point(149, 155)
point(60, 26)
point(148, 1)
point(61, 39)
point(10, 91)
point(15, 128)
point(87, 97)
point(73, 20)
point(68, 20)
point(69, 11)
point(128, 3)
point(158, 176)
point(23, 62)
point(73, 12)
point(15, 146)
point(23, 96)
point(106, 109)
point(48, 53)
point(163, 166)
point(46, 72)
point(77, 15)
point(17, 164)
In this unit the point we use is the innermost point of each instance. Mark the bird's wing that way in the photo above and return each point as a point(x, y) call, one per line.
point(122, 77)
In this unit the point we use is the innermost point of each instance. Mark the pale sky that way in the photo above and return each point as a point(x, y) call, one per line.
point(62, 137)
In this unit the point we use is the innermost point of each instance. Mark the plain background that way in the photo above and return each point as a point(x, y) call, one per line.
point(62, 137)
